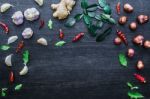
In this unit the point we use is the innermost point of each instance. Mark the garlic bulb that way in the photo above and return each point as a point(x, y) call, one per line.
point(42, 41)
point(31, 14)
point(12, 39)
point(39, 2)
point(24, 71)
point(4, 7)
point(27, 33)
point(17, 18)
point(8, 60)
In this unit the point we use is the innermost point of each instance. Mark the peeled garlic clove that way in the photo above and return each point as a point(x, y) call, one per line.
point(27, 33)
point(4, 7)
point(42, 41)
point(24, 71)
point(8, 60)
point(39, 2)
point(17, 18)
point(12, 39)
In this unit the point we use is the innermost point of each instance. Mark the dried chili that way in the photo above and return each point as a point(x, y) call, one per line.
point(11, 77)
point(118, 8)
point(122, 36)
point(42, 23)
point(4, 26)
point(20, 46)
point(61, 34)
point(140, 78)
point(77, 37)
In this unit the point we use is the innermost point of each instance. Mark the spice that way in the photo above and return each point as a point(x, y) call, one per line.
point(122, 36)
point(147, 44)
point(140, 65)
point(139, 39)
point(142, 19)
point(135, 95)
point(25, 57)
point(20, 46)
point(24, 71)
point(50, 24)
point(4, 26)
point(27, 33)
point(140, 78)
point(133, 26)
point(118, 8)
point(42, 23)
point(128, 8)
point(130, 52)
point(3, 92)
point(61, 34)
point(117, 41)
point(123, 59)
point(17, 18)
point(60, 43)
point(131, 86)
point(18, 87)
point(77, 37)
point(11, 77)
point(8, 60)
point(4, 47)
point(122, 20)
point(4, 7)
point(12, 39)
point(42, 41)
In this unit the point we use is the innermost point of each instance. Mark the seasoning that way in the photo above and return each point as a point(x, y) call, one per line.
point(122, 20)
point(17, 18)
point(50, 24)
point(20, 46)
point(60, 43)
point(123, 60)
point(140, 65)
point(142, 19)
point(27, 33)
point(4, 47)
point(77, 37)
point(139, 39)
point(122, 36)
point(117, 41)
point(128, 8)
point(42, 23)
point(8, 60)
point(4, 26)
point(140, 78)
point(3, 92)
point(130, 52)
point(118, 8)
point(18, 87)
point(61, 34)
point(147, 44)
point(133, 26)
point(12, 39)
point(42, 41)
point(11, 77)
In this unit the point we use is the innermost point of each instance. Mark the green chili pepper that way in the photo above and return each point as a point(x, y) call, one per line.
point(25, 57)
point(18, 87)
point(50, 24)
point(60, 43)
point(4, 47)
point(3, 92)
point(123, 60)
point(135, 95)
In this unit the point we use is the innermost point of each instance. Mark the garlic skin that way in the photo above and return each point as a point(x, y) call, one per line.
point(12, 39)
point(24, 71)
point(31, 14)
point(42, 41)
point(8, 60)
point(17, 18)
point(4, 7)
point(39, 2)
point(27, 33)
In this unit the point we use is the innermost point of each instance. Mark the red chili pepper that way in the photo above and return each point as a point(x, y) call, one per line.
point(77, 37)
point(61, 34)
point(122, 36)
point(4, 26)
point(42, 23)
point(11, 77)
point(140, 78)
point(118, 8)
point(20, 46)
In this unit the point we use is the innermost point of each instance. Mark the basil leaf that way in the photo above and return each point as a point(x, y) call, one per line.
point(112, 21)
point(92, 30)
point(84, 4)
point(102, 3)
point(87, 19)
point(92, 5)
point(78, 17)
point(92, 8)
point(99, 24)
point(4, 47)
point(98, 17)
point(60, 43)
point(107, 18)
point(91, 14)
point(107, 9)
point(102, 36)
point(18, 87)
point(70, 22)
point(25, 57)
point(122, 59)
point(135, 95)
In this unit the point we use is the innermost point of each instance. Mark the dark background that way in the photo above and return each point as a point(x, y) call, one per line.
point(82, 70)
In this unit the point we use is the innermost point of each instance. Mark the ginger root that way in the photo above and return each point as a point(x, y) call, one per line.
point(62, 9)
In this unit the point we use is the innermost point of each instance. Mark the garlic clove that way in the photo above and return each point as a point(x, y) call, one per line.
point(8, 60)
point(12, 39)
point(4, 7)
point(140, 65)
point(42, 41)
point(27, 33)
point(24, 71)
point(147, 44)
point(39, 2)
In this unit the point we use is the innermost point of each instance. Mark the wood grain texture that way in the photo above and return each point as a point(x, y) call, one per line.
point(83, 70)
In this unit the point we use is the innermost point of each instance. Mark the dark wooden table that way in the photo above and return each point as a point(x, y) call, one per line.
point(83, 70)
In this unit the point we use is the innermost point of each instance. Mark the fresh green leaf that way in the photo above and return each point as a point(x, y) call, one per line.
point(107, 9)
point(60, 43)
point(135, 95)
point(107, 18)
point(102, 36)
point(92, 30)
point(25, 57)
point(99, 24)
point(122, 59)
point(78, 17)
point(18, 87)
point(91, 14)
point(102, 3)
point(92, 8)
point(98, 17)
point(92, 5)
point(50, 24)
point(3, 92)
point(87, 19)
point(4, 47)
point(84, 4)
point(112, 21)
point(70, 22)
point(131, 86)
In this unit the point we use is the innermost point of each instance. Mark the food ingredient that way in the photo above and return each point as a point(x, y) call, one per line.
point(3, 92)
point(31, 14)
point(122, 36)
point(17, 18)
point(60, 43)
point(18, 87)
point(140, 65)
point(122, 20)
point(140, 78)
point(39, 2)
point(4, 7)
point(133, 26)
point(4, 26)
point(42, 41)
point(27, 33)
point(139, 39)
point(135, 95)
point(131, 86)
point(50, 24)
point(61, 34)
point(123, 59)
point(20, 46)
point(12, 39)
point(142, 19)
point(130, 52)
point(78, 37)
point(128, 8)
point(117, 41)
point(8, 60)
point(147, 44)
point(118, 8)
point(25, 57)
point(62, 9)
point(24, 71)
point(42, 23)
point(4, 47)
point(11, 77)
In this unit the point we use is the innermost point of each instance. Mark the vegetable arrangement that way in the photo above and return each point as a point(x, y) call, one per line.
point(94, 22)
